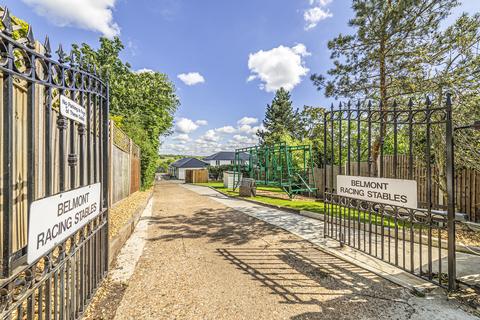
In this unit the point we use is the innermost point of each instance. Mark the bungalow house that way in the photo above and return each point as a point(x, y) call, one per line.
point(225, 158)
point(177, 168)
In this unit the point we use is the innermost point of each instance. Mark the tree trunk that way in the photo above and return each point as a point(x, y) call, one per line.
point(383, 106)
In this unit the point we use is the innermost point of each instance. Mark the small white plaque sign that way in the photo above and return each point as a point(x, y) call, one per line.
point(397, 192)
point(54, 219)
point(72, 110)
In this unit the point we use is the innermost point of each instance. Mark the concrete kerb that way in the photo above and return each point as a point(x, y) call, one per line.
point(117, 242)
point(401, 278)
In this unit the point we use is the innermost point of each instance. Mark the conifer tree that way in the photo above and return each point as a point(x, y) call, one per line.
point(384, 59)
point(280, 119)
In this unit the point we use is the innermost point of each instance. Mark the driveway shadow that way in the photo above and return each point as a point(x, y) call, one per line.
point(226, 226)
point(309, 276)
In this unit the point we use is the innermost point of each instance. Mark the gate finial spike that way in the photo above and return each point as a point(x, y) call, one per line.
point(30, 38)
point(46, 46)
point(61, 54)
point(369, 106)
point(72, 59)
point(340, 106)
point(428, 102)
point(7, 21)
point(449, 99)
point(410, 103)
point(80, 62)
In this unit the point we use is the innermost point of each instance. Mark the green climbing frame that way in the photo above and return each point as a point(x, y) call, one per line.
point(281, 165)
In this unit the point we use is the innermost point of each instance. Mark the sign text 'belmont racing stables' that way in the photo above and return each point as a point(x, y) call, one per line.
point(54, 219)
point(397, 192)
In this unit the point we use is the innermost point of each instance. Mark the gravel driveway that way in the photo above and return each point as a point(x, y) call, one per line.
point(203, 260)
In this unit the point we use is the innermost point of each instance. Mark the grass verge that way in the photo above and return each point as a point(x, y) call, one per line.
point(306, 205)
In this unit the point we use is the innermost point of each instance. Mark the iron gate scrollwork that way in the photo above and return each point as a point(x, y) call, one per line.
point(42, 154)
point(411, 141)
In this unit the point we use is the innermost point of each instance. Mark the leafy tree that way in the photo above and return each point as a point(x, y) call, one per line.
point(22, 30)
point(142, 104)
point(454, 68)
point(311, 128)
point(385, 56)
point(216, 172)
point(164, 161)
point(280, 119)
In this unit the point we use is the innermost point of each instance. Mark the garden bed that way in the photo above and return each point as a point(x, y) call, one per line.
point(122, 211)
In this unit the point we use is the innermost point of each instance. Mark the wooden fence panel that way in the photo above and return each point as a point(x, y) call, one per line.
point(196, 176)
point(135, 169)
point(124, 165)
point(19, 165)
point(120, 187)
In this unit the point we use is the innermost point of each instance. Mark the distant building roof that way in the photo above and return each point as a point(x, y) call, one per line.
point(189, 163)
point(226, 155)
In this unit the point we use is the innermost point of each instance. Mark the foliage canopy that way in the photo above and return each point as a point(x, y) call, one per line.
point(141, 104)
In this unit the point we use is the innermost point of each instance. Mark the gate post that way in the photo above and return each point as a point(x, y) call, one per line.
point(106, 168)
point(325, 172)
point(7, 177)
point(450, 170)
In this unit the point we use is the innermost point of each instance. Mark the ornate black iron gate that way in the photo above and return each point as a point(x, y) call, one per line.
point(43, 153)
point(410, 142)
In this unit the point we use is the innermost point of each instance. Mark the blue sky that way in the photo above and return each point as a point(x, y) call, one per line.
point(225, 57)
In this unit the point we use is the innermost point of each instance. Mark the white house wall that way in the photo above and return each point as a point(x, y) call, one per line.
point(213, 163)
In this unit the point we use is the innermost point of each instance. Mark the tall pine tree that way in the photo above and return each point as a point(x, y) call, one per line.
point(385, 56)
point(280, 119)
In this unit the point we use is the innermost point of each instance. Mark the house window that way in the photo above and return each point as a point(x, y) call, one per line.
point(232, 161)
point(217, 162)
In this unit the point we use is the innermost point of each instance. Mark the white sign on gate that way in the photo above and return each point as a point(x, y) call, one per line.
point(72, 110)
point(397, 192)
point(54, 219)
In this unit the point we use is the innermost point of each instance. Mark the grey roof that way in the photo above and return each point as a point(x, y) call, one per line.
point(226, 155)
point(189, 163)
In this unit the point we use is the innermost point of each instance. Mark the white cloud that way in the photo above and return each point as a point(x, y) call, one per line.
point(319, 2)
point(94, 15)
point(184, 125)
point(226, 129)
point(301, 50)
point(191, 78)
point(210, 136)
point(145, 70)
point(245, 128)
point(314, 15)
point(278, 67)
point(249, 129)
point(226, 138)
point(201, 122)
point(247, 120)
point(317, 13)
point(244, 140)
point(182, 137)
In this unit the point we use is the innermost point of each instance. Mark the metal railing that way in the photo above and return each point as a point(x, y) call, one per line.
point(54, 155)
point(420, 240)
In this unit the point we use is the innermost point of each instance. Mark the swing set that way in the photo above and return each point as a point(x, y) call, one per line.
point(287, 167)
